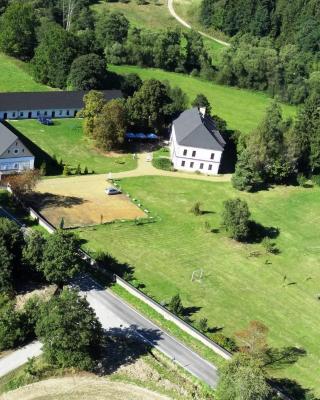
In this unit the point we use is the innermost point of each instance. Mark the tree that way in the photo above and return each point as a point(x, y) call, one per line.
point(175, 305)
point(87, 72)
point(23, 183)
point(235, 219)
point(93, 104)
point(32, 253)
point(11, 333)
point(130, 84)
point(6, 268)
point(110, 125)
point(242, 379)
point(12, 239)
point(253, 340)
point(61, 260)
point(111, 27)
point(201, 101)
point(54, 55)
point(150, 106)
point(18, 30)
point(70, 331)
point(245, 177)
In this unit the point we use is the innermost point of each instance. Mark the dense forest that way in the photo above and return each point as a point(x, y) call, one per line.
point(275, 45)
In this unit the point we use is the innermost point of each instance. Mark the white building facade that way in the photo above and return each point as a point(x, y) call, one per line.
point(15, 157)
point(195, 143)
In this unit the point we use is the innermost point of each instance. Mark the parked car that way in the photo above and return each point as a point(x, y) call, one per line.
point(112, 190)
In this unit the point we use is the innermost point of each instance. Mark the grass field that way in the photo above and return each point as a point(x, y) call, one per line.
point(242, 109)
point(280, 290)
point(65, 140)
point(15, 77)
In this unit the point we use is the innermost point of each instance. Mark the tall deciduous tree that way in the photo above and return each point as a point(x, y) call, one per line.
point(61, 260)
point(202, 101)
point(54, 55)
point(69, 330)
point(6, 268)
point(93, 104)
point(11, 333)
point(18, 30)
point(242, 379)
point(111, 27)
point(87, 72)
point(149, 106)
point(236, 219)
point(110, 125)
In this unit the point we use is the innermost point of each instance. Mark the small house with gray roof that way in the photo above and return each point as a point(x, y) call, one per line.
point(14, 155)
point(195, 143)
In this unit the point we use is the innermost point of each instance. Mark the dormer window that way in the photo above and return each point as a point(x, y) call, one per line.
point(185, 152)
point(212, 156)
point(194, 153)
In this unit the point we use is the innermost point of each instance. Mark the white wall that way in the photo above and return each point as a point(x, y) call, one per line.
point(16, 164)
point(59, 113)
point(201, 161)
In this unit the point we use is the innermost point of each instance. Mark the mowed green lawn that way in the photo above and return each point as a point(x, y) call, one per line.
point(242, 109)
point(15, 77)
point(66, 141)
point(237, 287)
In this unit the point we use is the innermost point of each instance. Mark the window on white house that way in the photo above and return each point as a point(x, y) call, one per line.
point(210, 167)
point(13, 114)
point(46, 113)
point(16, 151)
point(60, 112)
point(191, 164)
point(8, 151)
point(185, 152)
point(194, 153)
point(201, 166)
point(183, 163)
point(21, 114)
point(68, 112)
point(212, 156)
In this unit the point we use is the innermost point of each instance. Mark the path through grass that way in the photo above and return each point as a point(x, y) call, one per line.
point(281, 290)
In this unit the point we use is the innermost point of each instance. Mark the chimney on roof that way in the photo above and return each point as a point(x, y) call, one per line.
point(202, 111)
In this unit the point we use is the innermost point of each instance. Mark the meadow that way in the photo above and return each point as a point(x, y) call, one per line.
point(65, 140)
point(242, 109)
point(241, 282)
point(16, 77)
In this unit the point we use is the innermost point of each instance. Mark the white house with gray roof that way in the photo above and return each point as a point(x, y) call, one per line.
point(14, 155)
point(195, 143)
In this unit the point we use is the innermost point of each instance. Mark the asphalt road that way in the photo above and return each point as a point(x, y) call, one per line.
point(119, 318)
point(19, 357)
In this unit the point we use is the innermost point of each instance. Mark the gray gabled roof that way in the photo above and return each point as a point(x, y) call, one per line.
point(7, 138)
point(49, 100)
point(194, 130)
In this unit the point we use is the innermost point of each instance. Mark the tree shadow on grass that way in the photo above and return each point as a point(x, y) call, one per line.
point(123, 346)
point(280, 358)
point(258, 232)
point(110, 264)
point(292, 389)
point(46, 200)
point(188, 312)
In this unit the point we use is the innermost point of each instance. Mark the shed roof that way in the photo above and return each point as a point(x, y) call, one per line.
point(192, 129)
point(48, 100)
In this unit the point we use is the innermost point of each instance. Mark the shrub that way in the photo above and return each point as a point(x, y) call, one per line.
point(302, 180)
point(316, 179)
point(195, 209)
point(175, 305)
point(162, 163)
point(66, 170)
point(203, 325)
point(269, 246)
point(235, 219)
point(224, 341)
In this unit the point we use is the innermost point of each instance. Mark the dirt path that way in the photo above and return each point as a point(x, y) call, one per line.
point(81, 388)
point(184, 23)
point(146, 168)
